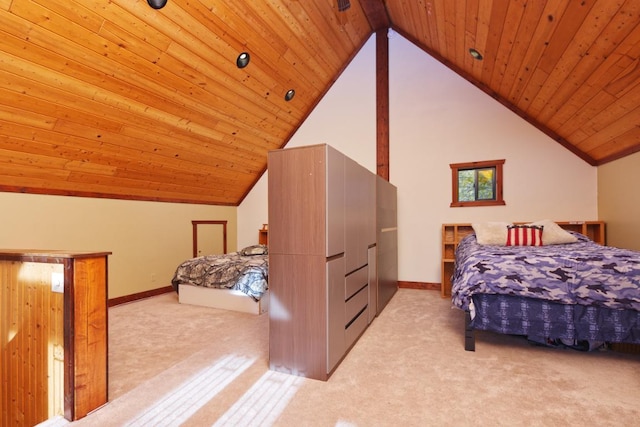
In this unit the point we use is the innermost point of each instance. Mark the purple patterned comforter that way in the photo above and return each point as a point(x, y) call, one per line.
point(247, 274)
point(582, 273)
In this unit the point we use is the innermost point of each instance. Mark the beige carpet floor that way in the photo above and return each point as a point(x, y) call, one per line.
point(173, 364)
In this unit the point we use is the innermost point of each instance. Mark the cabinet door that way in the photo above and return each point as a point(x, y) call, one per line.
point(373, 283)
point(359, 214)
point(297, 194)
point(335, 202)
point(387, 242)
point(336, 345)
point(298, 314)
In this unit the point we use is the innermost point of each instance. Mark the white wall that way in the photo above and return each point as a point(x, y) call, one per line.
point(437, 118)
point(345, 119)
point(148, 240)
point(619, 201)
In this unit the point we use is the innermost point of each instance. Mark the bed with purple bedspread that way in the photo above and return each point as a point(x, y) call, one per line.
point(246, 270)
point(578, 291)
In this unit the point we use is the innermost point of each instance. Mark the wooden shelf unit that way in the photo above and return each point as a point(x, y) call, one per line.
point(595, 230)
point(263, 235)
point(451, 236)
point(453, 233)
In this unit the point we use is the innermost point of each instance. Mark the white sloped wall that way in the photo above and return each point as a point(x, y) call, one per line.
point(437, 118)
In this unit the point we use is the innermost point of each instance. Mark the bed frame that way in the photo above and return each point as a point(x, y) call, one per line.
point(452, 234)
point(226, 299)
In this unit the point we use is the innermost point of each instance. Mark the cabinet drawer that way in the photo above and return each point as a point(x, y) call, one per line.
point(356, 328)
point(355, 281)
point(355, 304)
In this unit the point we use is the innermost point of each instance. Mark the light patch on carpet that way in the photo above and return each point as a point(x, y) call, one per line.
point(263, 403)
point(57, 421)
point(179, 405)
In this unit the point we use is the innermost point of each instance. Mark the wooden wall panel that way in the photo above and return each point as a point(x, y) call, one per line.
point(54, 345)
point(32, 341)
point(90, 334)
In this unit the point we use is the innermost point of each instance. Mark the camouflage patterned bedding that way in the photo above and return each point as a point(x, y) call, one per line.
point(547, 322)
point(247, 274)
point(583, 273)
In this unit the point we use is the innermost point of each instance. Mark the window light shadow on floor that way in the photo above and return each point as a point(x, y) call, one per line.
point(179, 405)
point(263, 403)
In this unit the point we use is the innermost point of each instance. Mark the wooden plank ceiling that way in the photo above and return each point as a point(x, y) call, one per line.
point(113, 98)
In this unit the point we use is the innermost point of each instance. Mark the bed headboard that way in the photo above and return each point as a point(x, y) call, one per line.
point(453, 233)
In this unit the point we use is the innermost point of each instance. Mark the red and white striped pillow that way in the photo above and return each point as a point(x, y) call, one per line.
point(524, 235)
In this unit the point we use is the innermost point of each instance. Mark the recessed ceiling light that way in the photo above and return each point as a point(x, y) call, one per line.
point(243, 60)
point(475, 54)
point(289, 95)
point(157, 4)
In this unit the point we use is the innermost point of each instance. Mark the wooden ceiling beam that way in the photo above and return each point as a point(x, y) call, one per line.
point(376, 13)
point(382, 103)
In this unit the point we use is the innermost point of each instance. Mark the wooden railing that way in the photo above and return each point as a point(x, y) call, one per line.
point(53, 335)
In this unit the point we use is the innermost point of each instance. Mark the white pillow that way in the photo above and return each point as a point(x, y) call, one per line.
point(491, 233)
point(254, 250)
point(553, 234)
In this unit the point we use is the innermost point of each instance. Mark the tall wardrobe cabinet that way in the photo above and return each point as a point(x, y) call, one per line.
point(322, 278)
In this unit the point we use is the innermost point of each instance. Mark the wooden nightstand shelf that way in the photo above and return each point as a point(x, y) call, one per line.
point(263, 235)
point(451, 236)
point(453, 233)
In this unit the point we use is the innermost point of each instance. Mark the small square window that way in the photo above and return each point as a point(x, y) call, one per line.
point(477, 183)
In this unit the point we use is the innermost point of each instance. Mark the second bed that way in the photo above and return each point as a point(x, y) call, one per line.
point(236, 281)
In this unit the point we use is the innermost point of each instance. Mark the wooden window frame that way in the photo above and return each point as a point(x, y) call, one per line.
point(195, 223)
point(456, 167)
